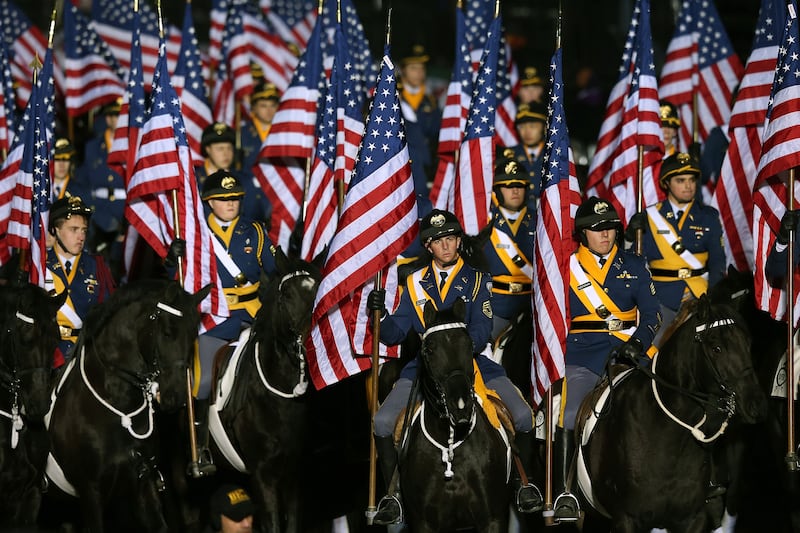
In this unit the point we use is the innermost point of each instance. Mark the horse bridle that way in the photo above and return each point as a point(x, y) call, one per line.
point(146, 382)
point(298, 346)
point(11, 380)
point(724, 403)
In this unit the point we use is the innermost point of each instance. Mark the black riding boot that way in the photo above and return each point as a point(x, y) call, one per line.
point(205, 464)
point(528, 498)
point(389, 510)
point(566, 507)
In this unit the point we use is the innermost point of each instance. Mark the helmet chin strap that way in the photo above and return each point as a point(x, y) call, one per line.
point(61, 244)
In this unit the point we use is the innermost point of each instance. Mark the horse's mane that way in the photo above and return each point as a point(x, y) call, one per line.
point(100, 315)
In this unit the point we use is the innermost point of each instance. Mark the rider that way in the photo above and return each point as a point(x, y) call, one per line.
point(84, 276)
point(609, 287)
point(444, 279)
point(682, 238)
point(263, 106)
point(510, 247)
point(243, 252)
point(670, 126)
point(65, 183)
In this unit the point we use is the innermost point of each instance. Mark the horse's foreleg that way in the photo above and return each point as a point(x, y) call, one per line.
point(265, 492)
point(92, 508)
point(290, 504)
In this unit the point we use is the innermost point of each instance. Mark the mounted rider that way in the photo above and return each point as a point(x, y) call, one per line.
point(613, 308)
point(445, 278)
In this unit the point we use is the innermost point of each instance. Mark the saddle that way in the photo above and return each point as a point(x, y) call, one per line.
point(595, 400)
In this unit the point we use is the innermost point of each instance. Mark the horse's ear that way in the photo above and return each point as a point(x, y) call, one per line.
point(319, 260)
point(732, 271)
point(460, 309)
point(281, 261)
point(200, 295)
point(703, 308)
point(57, 301)
point(429, 313)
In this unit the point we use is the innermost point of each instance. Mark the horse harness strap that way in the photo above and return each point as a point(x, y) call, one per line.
point(11, 379)
point(443, 327)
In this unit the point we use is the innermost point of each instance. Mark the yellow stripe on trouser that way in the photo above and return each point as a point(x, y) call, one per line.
point(484, 393)
point(196, 370)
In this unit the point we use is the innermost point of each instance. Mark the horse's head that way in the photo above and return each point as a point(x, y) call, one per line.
point(289, 299)
point(736, 289)
point(719, 361)
point(29, 337)
point(448, 374)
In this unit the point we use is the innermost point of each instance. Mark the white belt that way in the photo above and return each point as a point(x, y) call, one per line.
point(119, 194)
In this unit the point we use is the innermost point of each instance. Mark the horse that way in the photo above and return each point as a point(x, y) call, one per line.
point(644, 454)
point(134, 351)
point(455, 467)
point(29, 335)
point(258, 419)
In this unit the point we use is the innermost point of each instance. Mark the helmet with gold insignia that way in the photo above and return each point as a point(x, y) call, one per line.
point(65, 208)
point(64, 151)
point(530, 76)
point(218, 132)
point(677, 164)
point(669, 114)
point(507, 172)
point(222, 185)
point(415, 54)
point(596, 214)
point(113, 108)
point(531, 112)
point(265, 91)
point(438, 224)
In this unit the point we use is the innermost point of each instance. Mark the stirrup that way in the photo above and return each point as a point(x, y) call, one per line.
point(566, 508)
point(389, 511)
point(204, 466)
point(532, 503)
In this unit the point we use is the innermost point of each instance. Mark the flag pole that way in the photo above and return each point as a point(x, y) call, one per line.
point(376, 343)
point(791, 454)
point(639, 246)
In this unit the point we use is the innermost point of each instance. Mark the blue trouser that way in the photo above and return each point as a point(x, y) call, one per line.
point(580, 382)
point(207, 348)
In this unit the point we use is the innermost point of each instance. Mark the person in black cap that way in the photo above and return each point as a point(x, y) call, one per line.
point(84, 276)
point(530, 123)
point(65, 183)
point(445, 278)
point(243, 252)
point(422, 118)
point(682, 239)
point(509, 250)
point(231, 510)
point(263, 106)
point(613, 308)
point(670, 127)
point(218, 144)
point(531, 87)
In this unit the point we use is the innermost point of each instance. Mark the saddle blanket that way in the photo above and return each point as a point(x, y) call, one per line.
point(779, 379)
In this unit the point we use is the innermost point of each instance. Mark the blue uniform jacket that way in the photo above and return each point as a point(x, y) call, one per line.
point(106, 186)
point(534, 169)
point(466, 283)
point(627, 284)
point(503, 304)
point(90, 284)
point(246, 240)
point(251, 145)
point(701, 232)
point(422, 136)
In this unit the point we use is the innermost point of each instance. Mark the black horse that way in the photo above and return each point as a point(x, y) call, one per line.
point(648, 458)
point(259, 416)
point(134, 350)
point(455, 468)
point(29, 335)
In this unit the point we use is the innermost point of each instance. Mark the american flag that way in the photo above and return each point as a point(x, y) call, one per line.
point(290, 143)
point(640, 125)
point(378, 222)
point(267, 49)
point(476, 158)
point(349, 102)
point(8, 103)
point(357, 43)
point(218, 16)
point(233, 77)
point(454, 120)
point(114, 21)
point(631, 120)
point(122, 155)
point(292, 19)
point(733, 195)
point(700, 60)
point(553, 245)
point(191, 88)
point(94, 78)
point(23, 41)
point(320, 217)
point(164, 164)
point(27, 226)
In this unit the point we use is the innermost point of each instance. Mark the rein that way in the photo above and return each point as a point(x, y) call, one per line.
point(147, 383)
point(10, 380)
point(299, 350)
point(728, 400)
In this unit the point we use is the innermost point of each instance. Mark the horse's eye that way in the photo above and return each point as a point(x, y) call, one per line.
point(717, 349)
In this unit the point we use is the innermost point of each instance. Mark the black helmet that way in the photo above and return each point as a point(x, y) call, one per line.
point(531, 112)
point(508, 172)
point(64, 208)
point(265, 91)
point(218, 132)
point(437, 224)
point(222, 185)
point(678, 163)
point(669, 114)
point(596, 214)
point(64, 151)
